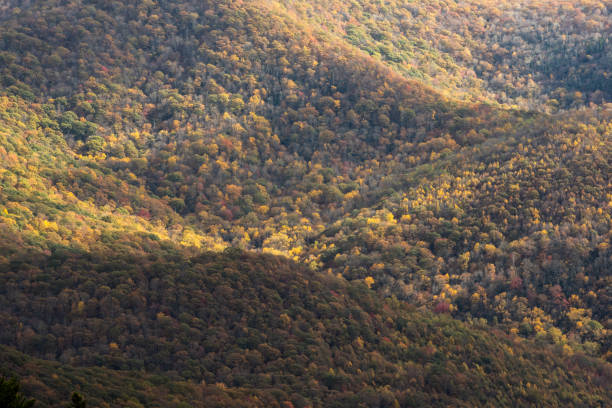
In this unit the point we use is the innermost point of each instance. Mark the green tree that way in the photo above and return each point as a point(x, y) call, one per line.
point(77, 401)
point(10, 397)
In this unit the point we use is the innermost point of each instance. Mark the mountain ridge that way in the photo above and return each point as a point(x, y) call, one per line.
point(238, 324)
point(139, 130)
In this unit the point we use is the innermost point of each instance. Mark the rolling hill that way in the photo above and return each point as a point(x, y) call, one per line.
point(413, 193)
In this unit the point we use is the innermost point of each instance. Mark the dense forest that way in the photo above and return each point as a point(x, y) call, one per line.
point(264, 330)
point(306, 203)
point(537, 54)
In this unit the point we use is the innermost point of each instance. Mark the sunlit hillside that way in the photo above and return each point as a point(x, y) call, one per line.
point(306, 203)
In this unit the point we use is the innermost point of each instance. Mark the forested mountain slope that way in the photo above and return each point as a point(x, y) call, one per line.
point(262, 330)
point(538, 54)
point(360, 139)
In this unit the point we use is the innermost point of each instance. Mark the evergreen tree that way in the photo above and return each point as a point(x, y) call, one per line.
point(77, 401)
point(10, 397)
